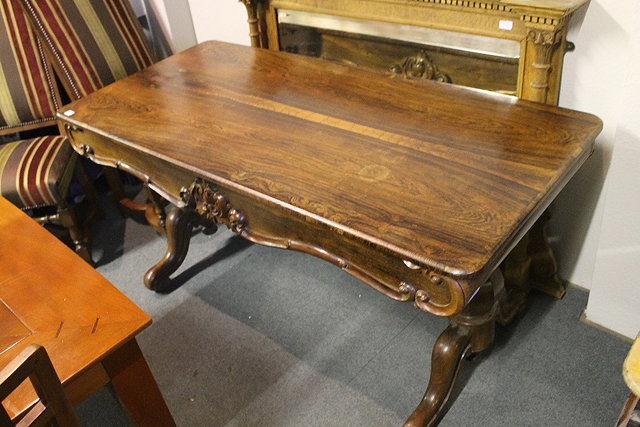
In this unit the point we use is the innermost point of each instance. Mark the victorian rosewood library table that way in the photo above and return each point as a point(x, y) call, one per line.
point(419, 189)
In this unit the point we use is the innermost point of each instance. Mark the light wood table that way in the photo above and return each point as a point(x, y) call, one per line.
point(50, 296)
point(420, 190)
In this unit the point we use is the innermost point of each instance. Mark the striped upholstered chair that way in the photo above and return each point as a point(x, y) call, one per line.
point(34, 173)
point(93, 43)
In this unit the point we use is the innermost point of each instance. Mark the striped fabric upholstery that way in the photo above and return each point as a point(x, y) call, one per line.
point(36, 172)
point(94, 42)
point(27, 95)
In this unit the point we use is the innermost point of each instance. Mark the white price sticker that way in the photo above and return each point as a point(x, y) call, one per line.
point(505, 24)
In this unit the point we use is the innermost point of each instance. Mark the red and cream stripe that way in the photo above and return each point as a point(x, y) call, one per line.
point(131, 32)
point(30, 170)
point(27, 91)
point(87, 37)
point(64, 42)
point(32, 73)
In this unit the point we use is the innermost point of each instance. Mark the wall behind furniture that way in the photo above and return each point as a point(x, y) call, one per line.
point(227, 21)
point(602, 251)
point(595, 229)
point(175, 21)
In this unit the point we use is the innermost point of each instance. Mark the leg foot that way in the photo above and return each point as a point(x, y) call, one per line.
point(447, 354)
point(135, 386)
point(468, 333)
point(179, 224)
point(630, 412)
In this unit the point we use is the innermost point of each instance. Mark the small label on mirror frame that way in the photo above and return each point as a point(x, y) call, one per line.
point(505, 24)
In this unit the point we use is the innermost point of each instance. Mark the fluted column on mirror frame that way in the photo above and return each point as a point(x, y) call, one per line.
point(545, 42)
point(253, 20)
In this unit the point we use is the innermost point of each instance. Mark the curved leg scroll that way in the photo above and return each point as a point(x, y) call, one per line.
point(469, 332)
point(448, 351)
point(179, 224)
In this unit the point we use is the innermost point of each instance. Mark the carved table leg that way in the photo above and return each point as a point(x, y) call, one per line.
point(447, 355)
point(516, 269)
point(544, 274)
point(469, 332)
point(179, 224)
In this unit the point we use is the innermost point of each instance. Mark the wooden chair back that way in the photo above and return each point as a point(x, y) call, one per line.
point(53, 406)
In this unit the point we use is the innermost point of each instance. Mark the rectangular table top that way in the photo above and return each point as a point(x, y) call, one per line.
point(51, 297)
point(439, 175)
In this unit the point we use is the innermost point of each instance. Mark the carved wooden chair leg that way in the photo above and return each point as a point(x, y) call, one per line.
point(179, 224)
point(126, 206)
point(544, 269)
point(89, 191)
point(155, 211)
point(468, 333)
point(79, 236)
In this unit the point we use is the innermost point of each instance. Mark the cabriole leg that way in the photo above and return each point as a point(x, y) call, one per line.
point(447, 355)
point(179, 224)
point(468, 333)
point(544, 269)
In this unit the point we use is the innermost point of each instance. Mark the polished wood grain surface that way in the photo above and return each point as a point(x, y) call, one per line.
point(513, 47)
point(441, 176)
point(51, 297)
